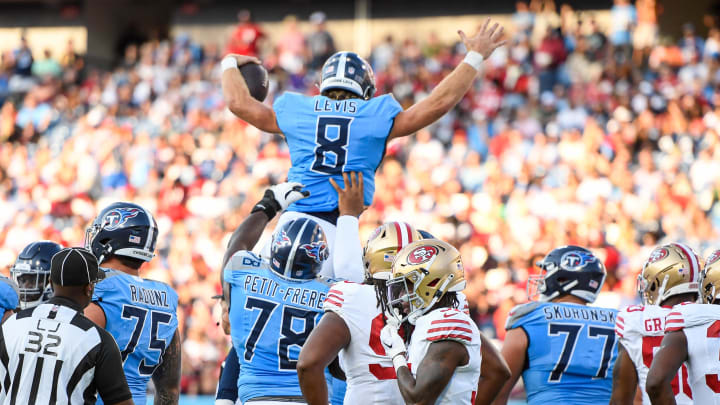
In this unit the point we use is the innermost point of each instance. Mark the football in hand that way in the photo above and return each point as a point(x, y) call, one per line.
point(256, 78)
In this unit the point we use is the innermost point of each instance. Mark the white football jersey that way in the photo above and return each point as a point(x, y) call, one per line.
point(449, 324)
point(701, 325)
point(641, 330)
point(369, 372)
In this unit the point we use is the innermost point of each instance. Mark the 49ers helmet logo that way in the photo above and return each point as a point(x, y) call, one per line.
point(657, 255)
point(422, 254)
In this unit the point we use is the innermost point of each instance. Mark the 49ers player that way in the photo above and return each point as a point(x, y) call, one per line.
point(444, 348)
point(351, 328)
point(670, 276)
point(692, 335)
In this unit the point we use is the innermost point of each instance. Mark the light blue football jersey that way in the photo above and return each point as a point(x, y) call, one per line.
point(141, 315)
point(328, 137)
point(270, 319)
point(571, 352)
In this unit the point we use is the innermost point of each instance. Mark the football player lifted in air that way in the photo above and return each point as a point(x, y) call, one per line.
point(444, 343)
point(141, 314)
point(563, 349)
point(346, 128)
point(350, 329)
point(31, 272)
point(275, 303)
point(670, 276)
point(692, 336)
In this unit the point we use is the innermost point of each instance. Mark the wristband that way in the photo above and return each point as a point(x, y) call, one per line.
point(228, 62)
point(268, 205)
point(474, 59)
point(399, 361)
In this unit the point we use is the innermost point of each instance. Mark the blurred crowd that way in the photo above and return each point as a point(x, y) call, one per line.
point(601, 136)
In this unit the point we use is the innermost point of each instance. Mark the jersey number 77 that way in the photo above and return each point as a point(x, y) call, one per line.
point(571, 332)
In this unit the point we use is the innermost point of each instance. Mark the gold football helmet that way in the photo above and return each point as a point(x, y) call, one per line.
point(671, 269)
point(710, 279)
point(422, 273)
point(382, 246)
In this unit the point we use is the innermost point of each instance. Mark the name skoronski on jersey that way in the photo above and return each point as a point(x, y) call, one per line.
point(579, 313)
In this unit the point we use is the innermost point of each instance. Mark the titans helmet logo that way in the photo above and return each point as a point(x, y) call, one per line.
point(576, 260)
point(281, 240)
point(316, 250)
point(117, 217)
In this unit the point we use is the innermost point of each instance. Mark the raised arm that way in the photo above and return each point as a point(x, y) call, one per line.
point(625, 380)
point(166, 376)
point(347, 250)
point(238, 98)
point(494, 372)
point(453, 87)
point(665, 365)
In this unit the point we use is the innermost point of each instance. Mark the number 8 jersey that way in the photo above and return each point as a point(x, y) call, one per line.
point(571, 352)
point(701, 325)
point(327, 137)
point(141, 315)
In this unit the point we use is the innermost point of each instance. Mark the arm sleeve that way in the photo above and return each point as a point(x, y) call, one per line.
point(227, 385)
point(109, 375)
point(347, 255)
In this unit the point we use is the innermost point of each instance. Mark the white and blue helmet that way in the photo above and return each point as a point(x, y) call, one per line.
point(348, 71)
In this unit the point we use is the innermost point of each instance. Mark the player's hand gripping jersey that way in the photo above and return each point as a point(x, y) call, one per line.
point(369, 373)
point(271, 318)
point(640, 330)
point(449, 324)
point(141, 315)
point(701, 325)
point(571, 352)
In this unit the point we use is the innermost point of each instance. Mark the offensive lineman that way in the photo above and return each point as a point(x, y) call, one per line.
point(670, 276)
point(444, 348)
point(692, 336)
point(141, 314)
point(345, 128)
point(562, 348)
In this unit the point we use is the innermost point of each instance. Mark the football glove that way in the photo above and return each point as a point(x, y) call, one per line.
point(394, 344)
point(278, 197)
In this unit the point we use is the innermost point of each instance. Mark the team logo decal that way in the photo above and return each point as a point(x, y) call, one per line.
point(422, 254)
point(119, 216)
point(281, 240)
point(316, 250)
point(714, 256)
point(658, 254)
point(576, 260)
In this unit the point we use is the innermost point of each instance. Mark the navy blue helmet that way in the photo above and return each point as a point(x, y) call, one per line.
point(122, 229)
point(425, 234)
point(568, 270)
point(348, 71)
point(31, 272)
point(298, 249)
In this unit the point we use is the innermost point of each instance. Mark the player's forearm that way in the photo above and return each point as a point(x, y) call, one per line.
point(167, 396)
point(407, 385)
point(236, 93)
point(489, 387)
point(312, 383)
point(167, 375)
point(661, 395)
point(347, 257)
point(246, 235)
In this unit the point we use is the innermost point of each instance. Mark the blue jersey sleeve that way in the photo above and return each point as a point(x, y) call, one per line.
point(386, 108)
point(9, 296)
point(286, 110)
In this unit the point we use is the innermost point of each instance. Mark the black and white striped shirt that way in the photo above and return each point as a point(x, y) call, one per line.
point(52, 354)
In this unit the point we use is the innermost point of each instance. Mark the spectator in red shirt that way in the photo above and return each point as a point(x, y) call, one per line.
point(246, 38)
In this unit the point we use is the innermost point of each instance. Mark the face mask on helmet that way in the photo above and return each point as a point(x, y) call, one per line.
point(403, 298)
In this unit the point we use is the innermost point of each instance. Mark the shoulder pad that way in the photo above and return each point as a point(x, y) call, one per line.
point(629, 319)
point(327, 280)
point(244, 260)
point(462, 303)
point(519, 311)
point(447, 324)
point(688, 315)
point(337, 295)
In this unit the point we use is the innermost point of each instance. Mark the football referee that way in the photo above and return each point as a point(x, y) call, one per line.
point(52, 353)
